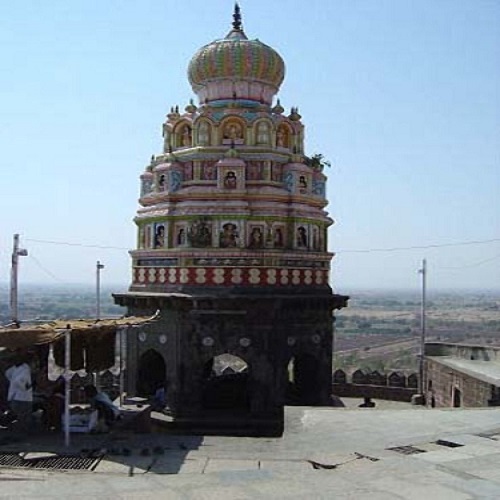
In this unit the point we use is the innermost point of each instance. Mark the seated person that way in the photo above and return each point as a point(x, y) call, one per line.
point(106, 410)
point(159, 401)
point(54, 406)
point(368, 403)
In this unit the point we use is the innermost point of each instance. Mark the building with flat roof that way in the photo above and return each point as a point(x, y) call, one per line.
point(459, 375)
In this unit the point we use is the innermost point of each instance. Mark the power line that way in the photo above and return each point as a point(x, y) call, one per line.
point(362, 250)
point(44, 269)
point(421, 247)
point(466, 266)
point(70, 244)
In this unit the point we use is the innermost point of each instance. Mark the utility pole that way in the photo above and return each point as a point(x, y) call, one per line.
point(98, 268)
point(16, 253)
point(423, 272)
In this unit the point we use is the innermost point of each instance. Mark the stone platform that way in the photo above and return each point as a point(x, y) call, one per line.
point(329, 453)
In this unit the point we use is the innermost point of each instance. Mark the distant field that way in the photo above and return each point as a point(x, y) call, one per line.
point(381, 330)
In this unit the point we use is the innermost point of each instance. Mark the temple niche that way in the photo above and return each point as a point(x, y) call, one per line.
point(282, 137)
point(233, 133)
point(262, 133)
point(232, 250)
point(204, 133)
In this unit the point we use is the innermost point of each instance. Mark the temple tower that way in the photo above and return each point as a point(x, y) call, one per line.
point(232, 249)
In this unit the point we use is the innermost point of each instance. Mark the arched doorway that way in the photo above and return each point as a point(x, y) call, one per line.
point(302, 380)
point(226, 384)
point(457, 398)
point(151, 373)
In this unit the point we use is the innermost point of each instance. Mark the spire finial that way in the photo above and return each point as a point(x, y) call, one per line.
point(237, 17)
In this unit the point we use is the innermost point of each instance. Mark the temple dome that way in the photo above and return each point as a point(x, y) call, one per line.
point(236, 59)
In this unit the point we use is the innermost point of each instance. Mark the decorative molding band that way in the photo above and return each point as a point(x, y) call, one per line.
point(223, 276)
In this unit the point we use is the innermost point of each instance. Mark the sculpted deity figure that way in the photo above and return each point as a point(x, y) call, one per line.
point(166, 138)
point(280, 138)
point(186, 136)
point(204, 134)
point(256, 238)
point(263, 133)
point(301, 237)
point(230, 181)
point(159, 237)
point(233, 131)
point(229, 236)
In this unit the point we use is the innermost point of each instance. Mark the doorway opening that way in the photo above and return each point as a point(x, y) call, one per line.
point(151, 373)
point(226, 383)
point(302, 380)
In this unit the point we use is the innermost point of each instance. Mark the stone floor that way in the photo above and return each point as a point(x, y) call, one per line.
point(401, 452)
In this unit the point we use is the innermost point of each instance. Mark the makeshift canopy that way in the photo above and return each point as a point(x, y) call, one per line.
point(27, 336)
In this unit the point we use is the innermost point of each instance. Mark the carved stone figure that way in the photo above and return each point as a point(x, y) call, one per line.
point(233, 131)
point(263, 133)
point(186, 136)
point(159, 236)
point(230, 181)
point(229, 236)
point(204, 134)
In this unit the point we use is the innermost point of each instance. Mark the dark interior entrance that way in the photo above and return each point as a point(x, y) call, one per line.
point(302, 380)
point(226, 384)
point(151, 373)
point(457, 398)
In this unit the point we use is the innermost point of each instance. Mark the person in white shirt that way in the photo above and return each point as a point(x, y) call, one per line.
point(20, 393)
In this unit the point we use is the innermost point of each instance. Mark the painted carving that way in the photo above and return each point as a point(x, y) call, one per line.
point(301, 237)
point(186, 139)
point(204, 134)
point(146, 186)
point(256, 239)
point(318, 188)
point(208, 171)
point(200, 234)
point(255, 171)
point(233, 133)
point(162, 182)
point(282, 137)
point(166, 138)
point(230, 180)
point(159, 241)
point(302, 185)
point(263, 133)
point(175, 181)
point(181, 237)
point(316, 239)
point(278, 240)
point(229, 236)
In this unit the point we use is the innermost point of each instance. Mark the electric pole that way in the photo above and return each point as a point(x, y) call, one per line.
point(98, 268)
point(423, 272)
point(16, 253)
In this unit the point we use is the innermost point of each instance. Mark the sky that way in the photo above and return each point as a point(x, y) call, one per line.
point(401, 96)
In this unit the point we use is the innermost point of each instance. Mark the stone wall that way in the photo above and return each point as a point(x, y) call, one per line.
point(395, 386)
point(443, 383)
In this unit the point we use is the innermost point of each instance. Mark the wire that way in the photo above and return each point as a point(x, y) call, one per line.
point(420, 247)
point(363, 250)
point(466, 266)
point(44, 269)
point(67, 243)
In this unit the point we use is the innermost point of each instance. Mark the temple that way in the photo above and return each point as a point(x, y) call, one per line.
point(232, 249)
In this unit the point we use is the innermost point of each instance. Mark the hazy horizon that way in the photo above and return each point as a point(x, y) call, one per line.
point(112, 287)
